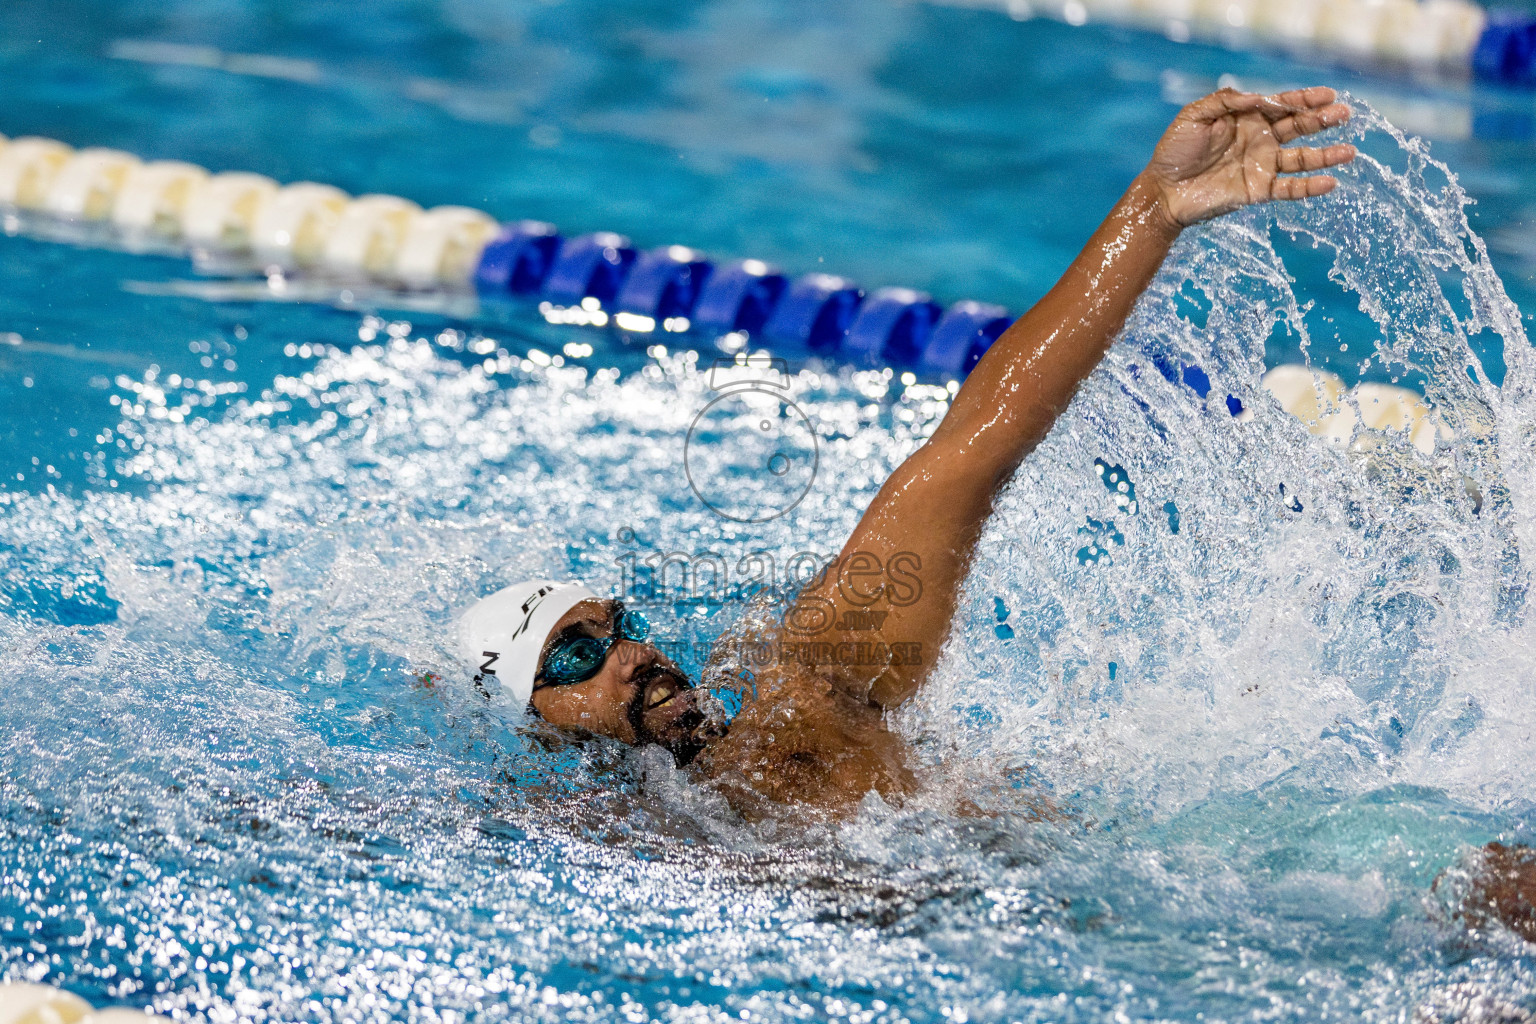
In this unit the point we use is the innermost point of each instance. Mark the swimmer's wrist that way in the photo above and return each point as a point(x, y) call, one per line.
point(1147, 203)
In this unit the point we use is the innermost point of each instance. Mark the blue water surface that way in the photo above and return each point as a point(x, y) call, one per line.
point(242, 776)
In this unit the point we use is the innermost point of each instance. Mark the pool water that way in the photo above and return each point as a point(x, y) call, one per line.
point(1277, 689)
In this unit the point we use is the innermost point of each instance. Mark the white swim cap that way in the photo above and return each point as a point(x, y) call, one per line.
point(503, 635)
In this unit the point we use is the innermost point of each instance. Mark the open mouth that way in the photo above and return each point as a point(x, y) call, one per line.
point(666, 711)
point(660, 686)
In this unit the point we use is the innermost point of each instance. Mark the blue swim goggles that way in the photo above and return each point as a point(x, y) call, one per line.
point(575, 657)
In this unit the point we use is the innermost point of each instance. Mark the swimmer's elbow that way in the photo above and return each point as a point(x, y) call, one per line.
point(975, 459)
point(998, 434)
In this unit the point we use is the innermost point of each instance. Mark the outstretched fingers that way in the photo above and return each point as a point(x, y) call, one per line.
point(1313, 158)
point(1310, 98)
point(1291, 114)
point(1303, 188)
point(1309, 122)
point(1303, 159)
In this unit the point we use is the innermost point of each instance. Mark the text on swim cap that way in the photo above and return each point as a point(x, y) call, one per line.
point(529, 607)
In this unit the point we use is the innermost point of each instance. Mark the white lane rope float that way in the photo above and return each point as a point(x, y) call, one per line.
point(1447, 35)
point(24, 1003)
point(240, 220)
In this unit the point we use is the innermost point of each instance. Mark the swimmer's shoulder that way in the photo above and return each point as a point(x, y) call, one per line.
point(801, 737)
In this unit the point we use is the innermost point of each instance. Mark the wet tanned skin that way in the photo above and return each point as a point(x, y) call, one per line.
point(803, 739)
point(808, 738)
point(1503, 891)
point(816, 731)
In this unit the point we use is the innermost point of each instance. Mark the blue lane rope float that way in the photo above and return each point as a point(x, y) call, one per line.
point(962, 335)
point(518, 260)
point(893, 327)
point(1451, 35)
point(814, 314)
point(663, 286)
point(589, 267)
point(739, 297)
point(1506, 52)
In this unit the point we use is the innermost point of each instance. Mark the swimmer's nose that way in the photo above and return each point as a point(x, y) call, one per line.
point(636, 658)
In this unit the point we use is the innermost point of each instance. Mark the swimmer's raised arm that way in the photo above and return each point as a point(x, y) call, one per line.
point(1221, 153)
point(814, 730)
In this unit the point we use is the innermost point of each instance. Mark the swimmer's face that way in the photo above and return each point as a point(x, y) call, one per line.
point(638, 696)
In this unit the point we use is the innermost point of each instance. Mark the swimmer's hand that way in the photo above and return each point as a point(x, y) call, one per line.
point(1228, 151)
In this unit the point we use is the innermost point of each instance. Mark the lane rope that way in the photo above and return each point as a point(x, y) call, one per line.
point(1446, 35)
point(243, 221)
point(597, 279)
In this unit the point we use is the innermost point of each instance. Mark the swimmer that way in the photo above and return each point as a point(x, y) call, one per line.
point(860, 640)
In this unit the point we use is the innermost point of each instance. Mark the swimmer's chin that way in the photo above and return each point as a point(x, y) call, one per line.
point(696, 742)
